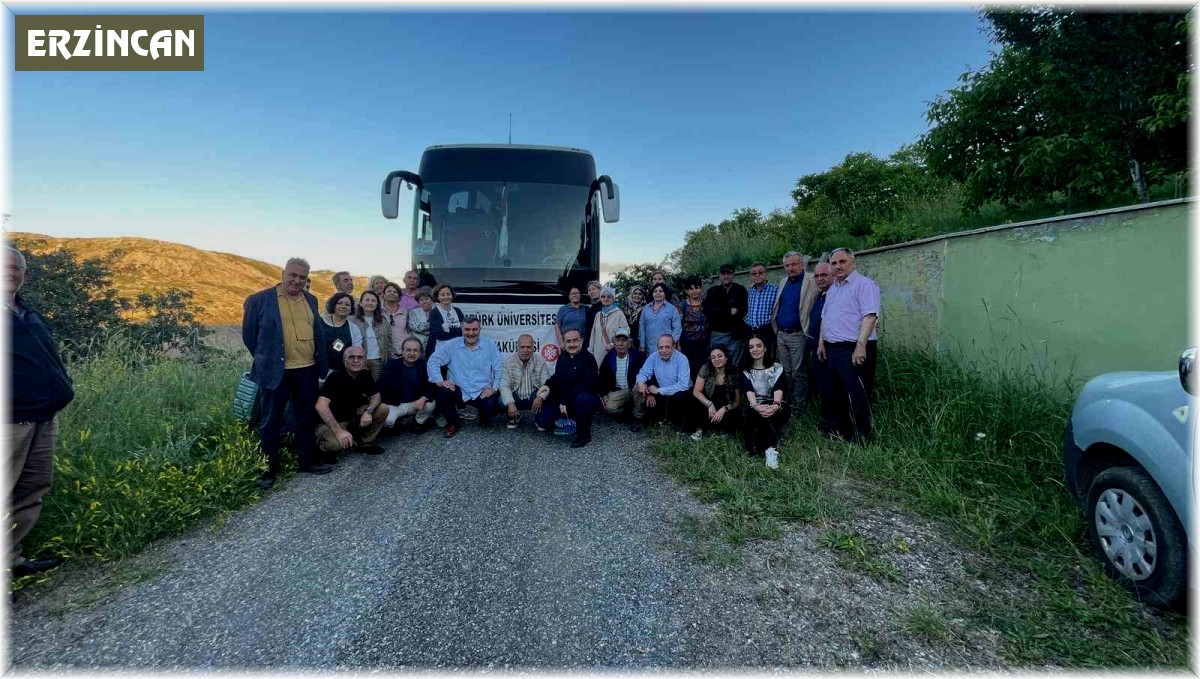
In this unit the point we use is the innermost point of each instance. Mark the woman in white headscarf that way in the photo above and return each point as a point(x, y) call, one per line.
point(609, 319)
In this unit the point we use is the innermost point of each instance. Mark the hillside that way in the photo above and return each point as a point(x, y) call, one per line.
point(220, 281)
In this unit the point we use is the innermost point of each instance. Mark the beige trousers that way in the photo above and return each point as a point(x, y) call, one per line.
point(327, 440)
point(30, 474)
point(619, 399)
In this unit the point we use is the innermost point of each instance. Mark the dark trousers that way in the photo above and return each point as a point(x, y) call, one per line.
point(845, 401)
point(733, 347)
point(698, 419)
point(696, 352)
point(449, 400)
point(818, 373)
point(581, 408)
point(671, 409)
point(760, 433)
point(299, 386)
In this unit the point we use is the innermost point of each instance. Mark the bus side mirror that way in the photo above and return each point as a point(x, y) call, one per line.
point(390, 195)
point(610, 199)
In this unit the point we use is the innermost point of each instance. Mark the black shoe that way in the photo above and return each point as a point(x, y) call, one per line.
point(581, 441)
point(636, 426)
point(31, 566)
point(371, 448)
point(266, 482)
point(316, 468)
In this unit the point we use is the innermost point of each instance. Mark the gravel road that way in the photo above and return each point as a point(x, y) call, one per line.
point(497, 549)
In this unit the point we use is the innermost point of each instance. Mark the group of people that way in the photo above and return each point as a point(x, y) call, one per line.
point(727, 360)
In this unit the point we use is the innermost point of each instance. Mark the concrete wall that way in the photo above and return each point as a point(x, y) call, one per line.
point(1067, 297)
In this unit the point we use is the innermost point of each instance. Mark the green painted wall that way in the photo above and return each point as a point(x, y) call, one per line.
point(1069, 298)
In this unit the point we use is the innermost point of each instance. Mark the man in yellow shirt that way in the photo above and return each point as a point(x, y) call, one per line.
point(284, 334)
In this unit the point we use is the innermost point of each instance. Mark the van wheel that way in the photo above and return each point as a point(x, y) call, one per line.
point(1136, 535)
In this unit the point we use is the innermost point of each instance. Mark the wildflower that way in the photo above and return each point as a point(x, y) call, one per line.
point(980, 436)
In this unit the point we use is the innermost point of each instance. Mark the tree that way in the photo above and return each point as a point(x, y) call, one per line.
point(79, 302)
point(76, 297)
point(171, 322)
point(634, 274)
point(1079, 102)
point(739, 240)
point(863, 190)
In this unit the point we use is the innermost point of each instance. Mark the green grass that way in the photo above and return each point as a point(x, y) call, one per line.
point(148, 448)
point(977, 449)
point(861, 553)
point(926, 621)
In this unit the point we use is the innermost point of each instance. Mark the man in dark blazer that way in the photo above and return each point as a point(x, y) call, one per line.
point(284, 333)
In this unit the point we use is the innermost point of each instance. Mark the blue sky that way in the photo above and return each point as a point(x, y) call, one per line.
point(279, 147)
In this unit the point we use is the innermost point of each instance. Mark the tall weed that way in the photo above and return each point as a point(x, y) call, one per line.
point(148, 447)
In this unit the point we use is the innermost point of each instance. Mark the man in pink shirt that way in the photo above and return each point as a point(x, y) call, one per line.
point(847, 345)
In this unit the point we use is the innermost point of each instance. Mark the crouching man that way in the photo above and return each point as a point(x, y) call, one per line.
point(665, 381)
point(473, 366)
point(350, 409)
point(405, 389)
point(618, 379)
point(521, 381)
point(572, 389)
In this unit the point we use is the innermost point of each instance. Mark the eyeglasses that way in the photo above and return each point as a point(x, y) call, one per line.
point(356, 358)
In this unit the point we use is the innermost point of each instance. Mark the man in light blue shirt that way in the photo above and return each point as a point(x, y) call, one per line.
point(665, 382)
point(473, 368)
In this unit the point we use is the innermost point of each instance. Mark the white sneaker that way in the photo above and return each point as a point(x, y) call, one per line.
point(772, 458)
point(698, 435)
point(441, 422)
point(468, 414)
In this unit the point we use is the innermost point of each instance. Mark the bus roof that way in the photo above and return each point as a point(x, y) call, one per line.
point(514, 147)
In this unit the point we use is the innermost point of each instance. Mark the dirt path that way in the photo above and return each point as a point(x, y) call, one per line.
point(502, 549)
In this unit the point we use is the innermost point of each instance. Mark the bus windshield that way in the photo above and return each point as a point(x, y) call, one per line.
point(540, 229)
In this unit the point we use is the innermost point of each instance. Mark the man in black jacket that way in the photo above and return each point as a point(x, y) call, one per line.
point(405, 387)
point(725, 308)
point(618, 377)
point(40, 387)
point(573, 389)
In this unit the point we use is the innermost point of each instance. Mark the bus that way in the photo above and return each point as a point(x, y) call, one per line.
point(510, 228)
